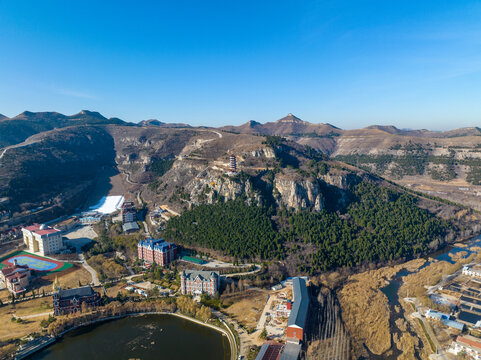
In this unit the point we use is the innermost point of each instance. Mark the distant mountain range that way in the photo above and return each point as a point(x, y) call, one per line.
point(288, 125)
point(291, 125)
point(154, 122)
point(16, 129)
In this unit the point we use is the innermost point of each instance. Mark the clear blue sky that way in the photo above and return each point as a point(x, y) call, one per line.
point(413, 64)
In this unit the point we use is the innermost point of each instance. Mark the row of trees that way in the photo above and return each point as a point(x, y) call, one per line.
point(184, 304)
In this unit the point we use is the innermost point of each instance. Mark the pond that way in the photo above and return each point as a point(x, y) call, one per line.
point(141, 337)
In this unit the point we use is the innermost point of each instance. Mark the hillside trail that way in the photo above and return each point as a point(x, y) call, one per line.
point(29, 141)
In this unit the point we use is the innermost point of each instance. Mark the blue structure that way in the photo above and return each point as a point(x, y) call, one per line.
point(444, 319)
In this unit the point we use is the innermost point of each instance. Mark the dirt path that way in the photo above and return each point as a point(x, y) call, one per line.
point(27, 142)
point(34, 315)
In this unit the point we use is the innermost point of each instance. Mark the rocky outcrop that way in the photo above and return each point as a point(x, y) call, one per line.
point(265, 152)
point(299, 194)
point(210, 185)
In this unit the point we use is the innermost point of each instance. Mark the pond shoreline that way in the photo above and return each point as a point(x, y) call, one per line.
point(49, 340)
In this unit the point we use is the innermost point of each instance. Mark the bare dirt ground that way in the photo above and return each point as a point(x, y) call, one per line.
point(457, 190)
point(247, 307)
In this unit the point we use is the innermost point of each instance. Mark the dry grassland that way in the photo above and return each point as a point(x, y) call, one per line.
point(247, 306)
point(365, 308)
point(12, 330)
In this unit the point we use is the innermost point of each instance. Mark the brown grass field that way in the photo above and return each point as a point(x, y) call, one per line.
point(12, 330)
point(247, 307)
point(365, 308)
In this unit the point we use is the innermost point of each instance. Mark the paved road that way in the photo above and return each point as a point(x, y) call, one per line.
point(263, 318)
point(440, 352)
point(258, 268)
point(242, 346)
point(93, 273)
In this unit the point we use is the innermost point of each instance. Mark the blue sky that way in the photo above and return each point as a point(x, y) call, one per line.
point(413, 64)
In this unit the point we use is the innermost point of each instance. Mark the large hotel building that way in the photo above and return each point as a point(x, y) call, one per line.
point(42, 239)
point(156, 251)
point(195, 282)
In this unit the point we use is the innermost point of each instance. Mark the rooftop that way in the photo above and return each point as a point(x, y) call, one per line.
point(41, 229)
point(130, 226)
point(10, 269)
point(301, 303)
point(270, 350)
point(77, 292)
point(470, 340)
point(202, 274)
point(291, 351)
point(156, 244)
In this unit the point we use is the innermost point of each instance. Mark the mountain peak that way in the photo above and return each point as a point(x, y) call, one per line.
point(253, 123)
point(90, 113)
point(291, 119)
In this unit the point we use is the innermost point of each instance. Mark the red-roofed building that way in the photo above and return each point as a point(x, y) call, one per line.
point(16, 278)
point(469, 345)
point(270, 350)
point(42, 239)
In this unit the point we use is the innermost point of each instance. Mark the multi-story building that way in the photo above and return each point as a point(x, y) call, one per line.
point(196, 282)
point(42, 239)
point(16, 278)
point(157, 251)
point(129, 213)
point(233, 163)
point(70, 301)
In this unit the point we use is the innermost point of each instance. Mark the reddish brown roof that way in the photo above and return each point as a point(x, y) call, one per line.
point(33, 227)
point(47, 231)
point(13, 268)
point(274, 350)
point(469, 342)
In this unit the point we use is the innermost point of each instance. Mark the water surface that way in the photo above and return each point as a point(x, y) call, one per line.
point(142, 337)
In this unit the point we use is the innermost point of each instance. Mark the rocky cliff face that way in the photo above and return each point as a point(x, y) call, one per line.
point(210, 185)
point(299, 194)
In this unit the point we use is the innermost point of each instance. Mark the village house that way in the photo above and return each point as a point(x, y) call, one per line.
point(16, 278)
point(468, 345)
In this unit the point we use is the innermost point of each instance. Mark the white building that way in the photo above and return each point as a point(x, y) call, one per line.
point(42, 239)
point(474, 271)
point(468, 345)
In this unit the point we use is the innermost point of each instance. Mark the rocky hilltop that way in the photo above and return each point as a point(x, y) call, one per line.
point(183, 166)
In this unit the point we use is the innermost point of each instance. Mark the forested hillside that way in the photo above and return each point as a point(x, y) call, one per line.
point(381, 224)
point(55, 166)
point(239, 230)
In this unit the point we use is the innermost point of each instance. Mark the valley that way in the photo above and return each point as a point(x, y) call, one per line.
point(349, 209)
